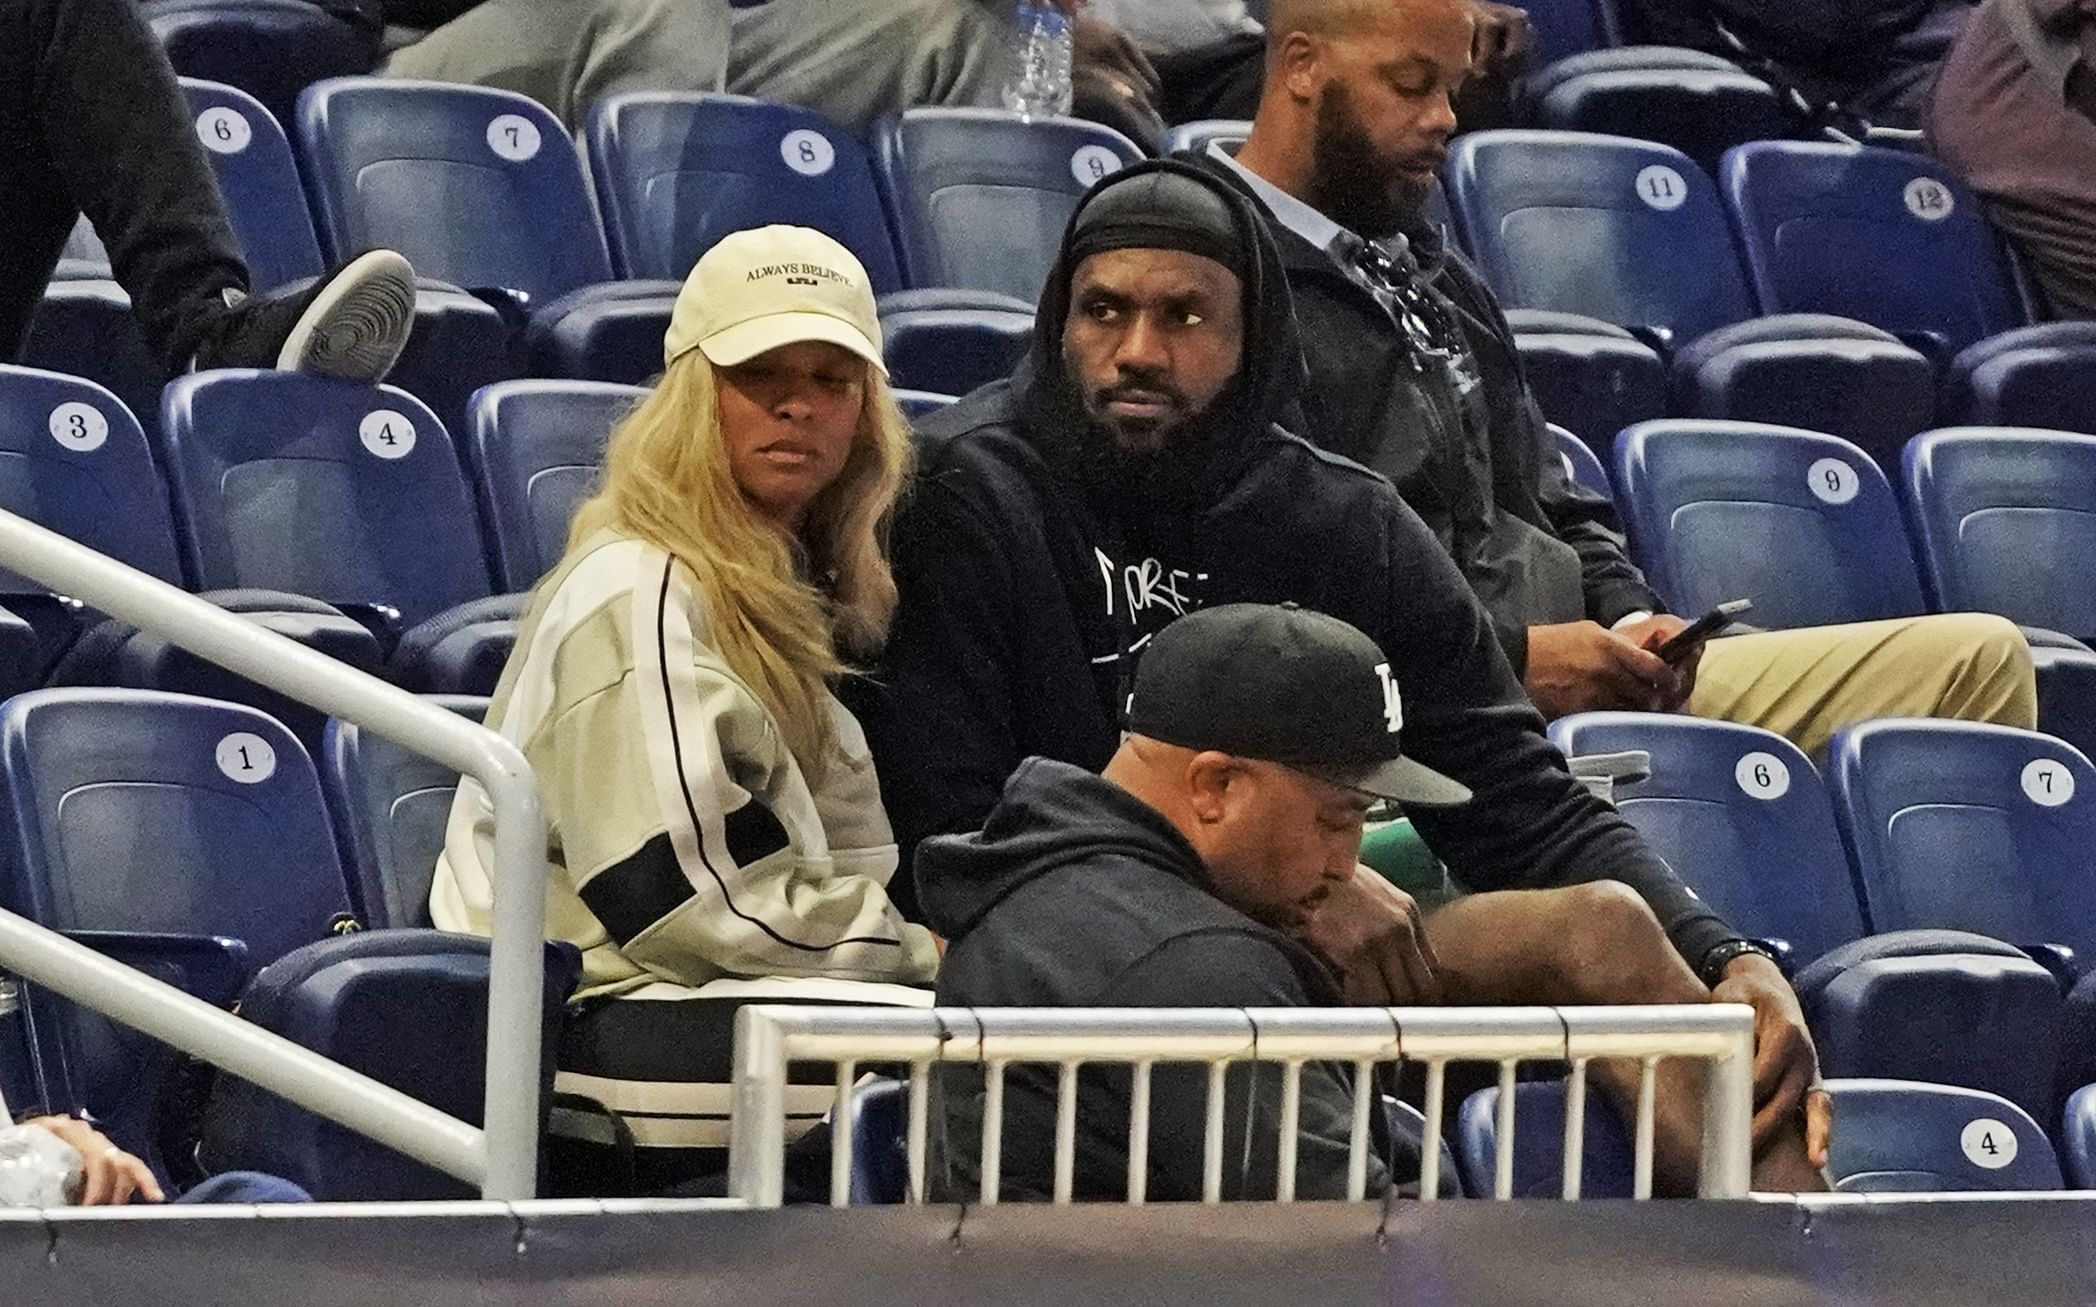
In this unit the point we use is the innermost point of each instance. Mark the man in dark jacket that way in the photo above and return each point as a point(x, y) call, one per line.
point(1413, 371)
point(1179, 878)
point(1131, 472)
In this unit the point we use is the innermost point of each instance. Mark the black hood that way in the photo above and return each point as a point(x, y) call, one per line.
point(1215, 450)
point(1051, 815)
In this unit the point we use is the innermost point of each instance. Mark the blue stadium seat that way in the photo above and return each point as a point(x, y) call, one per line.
point(916, 403)
point(1198, 136)
point(272, 49)
point(1617, 229)
point(536, 447)
point(390, 805)
point(879, 1134)
point(1564, 28)
point(1890, 237)
point(1580, 463)
point(1962, 826)
point(84, 328)
point(265, 201)
point(1742, 815)
point(2041, 376)
point(480, 188)
point(1948, 1007)
point(1803, 524)
point(1836, 375)
point(1996, 514)
point(2078, 1137)
point(951, 350)
point(608, 333)
point(143, 812)
point(980, 197)
point(348, 494)
point(1698, 103)
point(1591, 377)
point(1901, 1136)
point(408, 1008)
point(1606, 1169)
point(678, 172)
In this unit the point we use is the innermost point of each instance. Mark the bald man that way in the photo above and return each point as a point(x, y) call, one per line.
point(1414, 372)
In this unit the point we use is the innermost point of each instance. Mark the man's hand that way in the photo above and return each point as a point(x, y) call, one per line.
point(110, 1176)
point(1583, 666)
point(1786, 1068)
point(1655, 631)
point(1371, 933)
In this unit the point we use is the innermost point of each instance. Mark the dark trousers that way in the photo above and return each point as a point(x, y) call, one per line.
point(91, 120)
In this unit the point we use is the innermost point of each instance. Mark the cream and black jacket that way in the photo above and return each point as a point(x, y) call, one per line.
point(686, 844)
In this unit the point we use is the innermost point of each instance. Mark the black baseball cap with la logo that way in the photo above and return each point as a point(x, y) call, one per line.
point(1279, 683)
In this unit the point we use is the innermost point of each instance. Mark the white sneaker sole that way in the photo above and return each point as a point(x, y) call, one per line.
point(356, 327)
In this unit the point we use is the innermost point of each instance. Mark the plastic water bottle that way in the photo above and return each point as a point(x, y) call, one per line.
point(37, 1168)
point(1041, 54)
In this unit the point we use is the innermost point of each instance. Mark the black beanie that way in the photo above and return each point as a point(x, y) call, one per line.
point(1160, 211)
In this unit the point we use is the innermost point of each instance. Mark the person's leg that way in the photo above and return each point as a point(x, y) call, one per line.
point(1805, 685)
point(568, 55)
point(1219, 80)
point(854, 60)
point(246, 1187)
point(1599, 944)
point(110, 128)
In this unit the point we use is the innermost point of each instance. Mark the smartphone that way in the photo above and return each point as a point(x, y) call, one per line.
point(1695, 633)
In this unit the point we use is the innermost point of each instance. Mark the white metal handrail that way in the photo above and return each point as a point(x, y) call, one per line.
point(770, 1037)
point(502, 1156)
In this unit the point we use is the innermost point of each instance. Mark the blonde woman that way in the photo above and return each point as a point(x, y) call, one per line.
point(716, 832)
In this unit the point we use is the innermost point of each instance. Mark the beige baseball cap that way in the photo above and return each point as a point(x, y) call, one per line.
point(759, 289)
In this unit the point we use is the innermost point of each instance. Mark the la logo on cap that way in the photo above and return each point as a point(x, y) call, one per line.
point(1393, 707)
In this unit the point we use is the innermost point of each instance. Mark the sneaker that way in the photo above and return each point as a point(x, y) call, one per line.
point(350, 324)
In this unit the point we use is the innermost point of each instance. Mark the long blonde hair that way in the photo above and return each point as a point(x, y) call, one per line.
point(788, 617)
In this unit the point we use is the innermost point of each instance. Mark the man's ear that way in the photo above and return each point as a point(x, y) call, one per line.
point(1209, 776)
point(1298, 65)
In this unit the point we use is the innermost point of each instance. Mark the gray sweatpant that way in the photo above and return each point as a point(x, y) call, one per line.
point(852, 60)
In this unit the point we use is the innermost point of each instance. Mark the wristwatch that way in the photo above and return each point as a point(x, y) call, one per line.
point(1717, 959)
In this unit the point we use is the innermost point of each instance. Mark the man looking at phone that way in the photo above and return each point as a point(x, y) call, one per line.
point(1413, 371)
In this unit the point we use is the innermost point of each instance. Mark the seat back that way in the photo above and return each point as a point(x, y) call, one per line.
point(678, 172)
point(1567, 27)
point(1581, 466)
point(1200, 135)
point(536, 450)
point(265, 201)
point(72, 458)
point(1618, 229)
point(951, 351)
point(1606, 1166)
point(1996, 511)
point(1804, 524)
point(1963, 826)
point(132, 810)
point(344, 493)
point(271, 49)
point(390, 805)
point(1903, 1136)
point(478, 187)
point(1887, 236)
point(1741, 815)
point(2078, 1138)
point(980, 197)
point(353, 1000)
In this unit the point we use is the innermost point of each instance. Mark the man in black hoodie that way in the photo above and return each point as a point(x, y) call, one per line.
point(1130, 472)
point(1177, 879)
point(1414, 372)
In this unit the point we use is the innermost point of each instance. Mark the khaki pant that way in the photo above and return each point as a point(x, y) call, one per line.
point(1805, 685)
point(851, 60)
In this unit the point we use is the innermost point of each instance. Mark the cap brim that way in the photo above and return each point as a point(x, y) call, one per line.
point(1403, 781)
point(746, 340)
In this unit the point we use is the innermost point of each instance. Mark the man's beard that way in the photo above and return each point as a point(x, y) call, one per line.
point(1166, 472)
point(1348, 183)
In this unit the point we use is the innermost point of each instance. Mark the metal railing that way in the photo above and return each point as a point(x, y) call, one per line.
point(502, 1156)
point(768, 1038)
